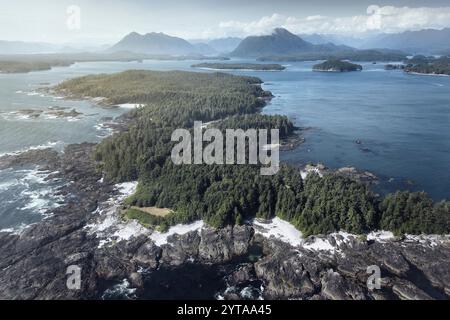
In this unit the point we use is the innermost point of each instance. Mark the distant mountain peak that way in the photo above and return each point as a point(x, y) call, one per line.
point(282, 32)
point(280, 41)
point(154, 43)
point(133, 34)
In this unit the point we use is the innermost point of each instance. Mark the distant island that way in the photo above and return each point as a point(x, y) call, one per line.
point(391, 66)
point(25, 63)
point(337, 66)
point(354, 55)
point(241, 66)
point(428, 65)
point(26, 66)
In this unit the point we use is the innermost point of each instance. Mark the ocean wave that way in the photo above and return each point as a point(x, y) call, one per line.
point(17, 230)
point(104, 129)
point(8, 184)
point(32, 192)
point(40, 192)
point(120, 291)
point(44, 114)
point(109, 226)
point(49, 144)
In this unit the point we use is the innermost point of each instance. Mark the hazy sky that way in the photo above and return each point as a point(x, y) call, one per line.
point(106, 21)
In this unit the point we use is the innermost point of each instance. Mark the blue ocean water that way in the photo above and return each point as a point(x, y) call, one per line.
point(401, 121)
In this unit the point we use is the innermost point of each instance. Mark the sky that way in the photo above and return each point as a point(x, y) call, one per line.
point(107, 21)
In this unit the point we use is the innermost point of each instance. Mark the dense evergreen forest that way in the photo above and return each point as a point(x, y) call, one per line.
point(231, 194)
point(337, 66)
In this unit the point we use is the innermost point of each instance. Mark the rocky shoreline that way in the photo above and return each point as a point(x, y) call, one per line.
point(34, 262)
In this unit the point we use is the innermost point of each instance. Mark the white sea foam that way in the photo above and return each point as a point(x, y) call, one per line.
point(121, 290)
point(286, 232)
point(36, 194)
point(50, 144)
point(380, 236)
point(38, 115)
point(180, 229)
point(319, 244)
point(18, 230)
point(309, 170)
point(8, 184)
point(430, 240)
point(279, 229)
point(109, 226)
point(130, 105)
point(41, 196)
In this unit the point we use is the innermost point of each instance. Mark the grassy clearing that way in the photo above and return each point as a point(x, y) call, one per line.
point(154, 211)
point(146, 219)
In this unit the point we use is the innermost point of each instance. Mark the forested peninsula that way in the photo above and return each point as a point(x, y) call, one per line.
point(224, 195)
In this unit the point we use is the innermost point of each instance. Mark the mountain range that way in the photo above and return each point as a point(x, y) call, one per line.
point(424, 41)
point(427, 41)
point(280, 42)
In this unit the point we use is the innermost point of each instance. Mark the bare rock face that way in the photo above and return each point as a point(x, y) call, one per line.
point(243, 273)
point(406, 290)
point(433, 262)
point(336, 287)
point(147, 255)
point(34, 264)
point(390, 257)
point(181, 249)
point(406, 271)
point(218, 246)
point(284, 275)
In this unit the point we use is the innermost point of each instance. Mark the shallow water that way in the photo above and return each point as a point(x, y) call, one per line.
point(402, 121)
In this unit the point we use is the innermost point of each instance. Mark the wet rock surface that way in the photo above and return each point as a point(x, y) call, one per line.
point(34, 263)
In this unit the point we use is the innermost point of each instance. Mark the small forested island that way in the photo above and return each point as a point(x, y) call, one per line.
point(337, 66)
point(23, 66)
point(224, 195)
point(240, 66)
point(428, 65)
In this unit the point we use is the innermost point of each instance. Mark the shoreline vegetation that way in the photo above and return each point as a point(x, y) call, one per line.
point(337, 66)
point(428, 66)
point(423, 65)
point(231, 195)
point(240, 66)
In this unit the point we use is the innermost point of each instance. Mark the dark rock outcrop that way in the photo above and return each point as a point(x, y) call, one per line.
point(34, 263)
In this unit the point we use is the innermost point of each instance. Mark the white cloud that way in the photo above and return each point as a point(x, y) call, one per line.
point(388, 19)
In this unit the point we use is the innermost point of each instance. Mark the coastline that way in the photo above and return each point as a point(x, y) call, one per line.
point(427, 74)
point(65, 239)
